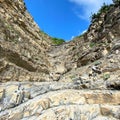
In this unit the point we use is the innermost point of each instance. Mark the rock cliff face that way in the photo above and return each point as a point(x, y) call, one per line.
point(22, 44)
point(78, 80)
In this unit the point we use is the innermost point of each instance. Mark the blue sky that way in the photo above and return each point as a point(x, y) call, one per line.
point(63, 18)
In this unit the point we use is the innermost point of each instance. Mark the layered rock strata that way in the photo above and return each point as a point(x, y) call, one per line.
point(22, 45)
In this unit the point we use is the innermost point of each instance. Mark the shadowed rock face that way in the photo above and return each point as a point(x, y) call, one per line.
point(78, 80)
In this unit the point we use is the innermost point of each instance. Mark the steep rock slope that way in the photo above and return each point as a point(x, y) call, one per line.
point(99, 45)
point(83, 74)
point(22, 44)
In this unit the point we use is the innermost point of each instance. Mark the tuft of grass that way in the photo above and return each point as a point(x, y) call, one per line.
point(57, 41)
point(92, 44)
point(80, 36)
point(106, 76)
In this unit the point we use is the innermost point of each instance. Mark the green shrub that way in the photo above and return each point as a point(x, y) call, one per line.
point(58, 41)
point(116, 1)
point(103, 9)
point(95, 16)
point(92, 44)
point(106, 76)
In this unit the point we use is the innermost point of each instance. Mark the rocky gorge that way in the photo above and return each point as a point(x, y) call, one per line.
point(77, 80)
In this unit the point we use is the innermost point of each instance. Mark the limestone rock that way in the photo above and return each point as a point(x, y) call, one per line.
point(2, 92)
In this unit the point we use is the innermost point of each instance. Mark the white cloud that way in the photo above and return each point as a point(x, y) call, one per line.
point(72, 37)
point(79, 33)
point(88, 7)
point(84, 31)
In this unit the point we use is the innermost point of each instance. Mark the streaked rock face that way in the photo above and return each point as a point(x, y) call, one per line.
point(22, 44)
point(78, 80)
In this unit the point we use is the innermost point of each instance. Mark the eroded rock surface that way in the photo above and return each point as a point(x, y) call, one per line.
point(44, 101)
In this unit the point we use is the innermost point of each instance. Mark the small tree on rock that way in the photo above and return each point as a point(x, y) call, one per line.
point(117, 2)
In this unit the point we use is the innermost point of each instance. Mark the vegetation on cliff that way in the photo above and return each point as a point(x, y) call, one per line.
point(57, 41)
point(103, 9)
